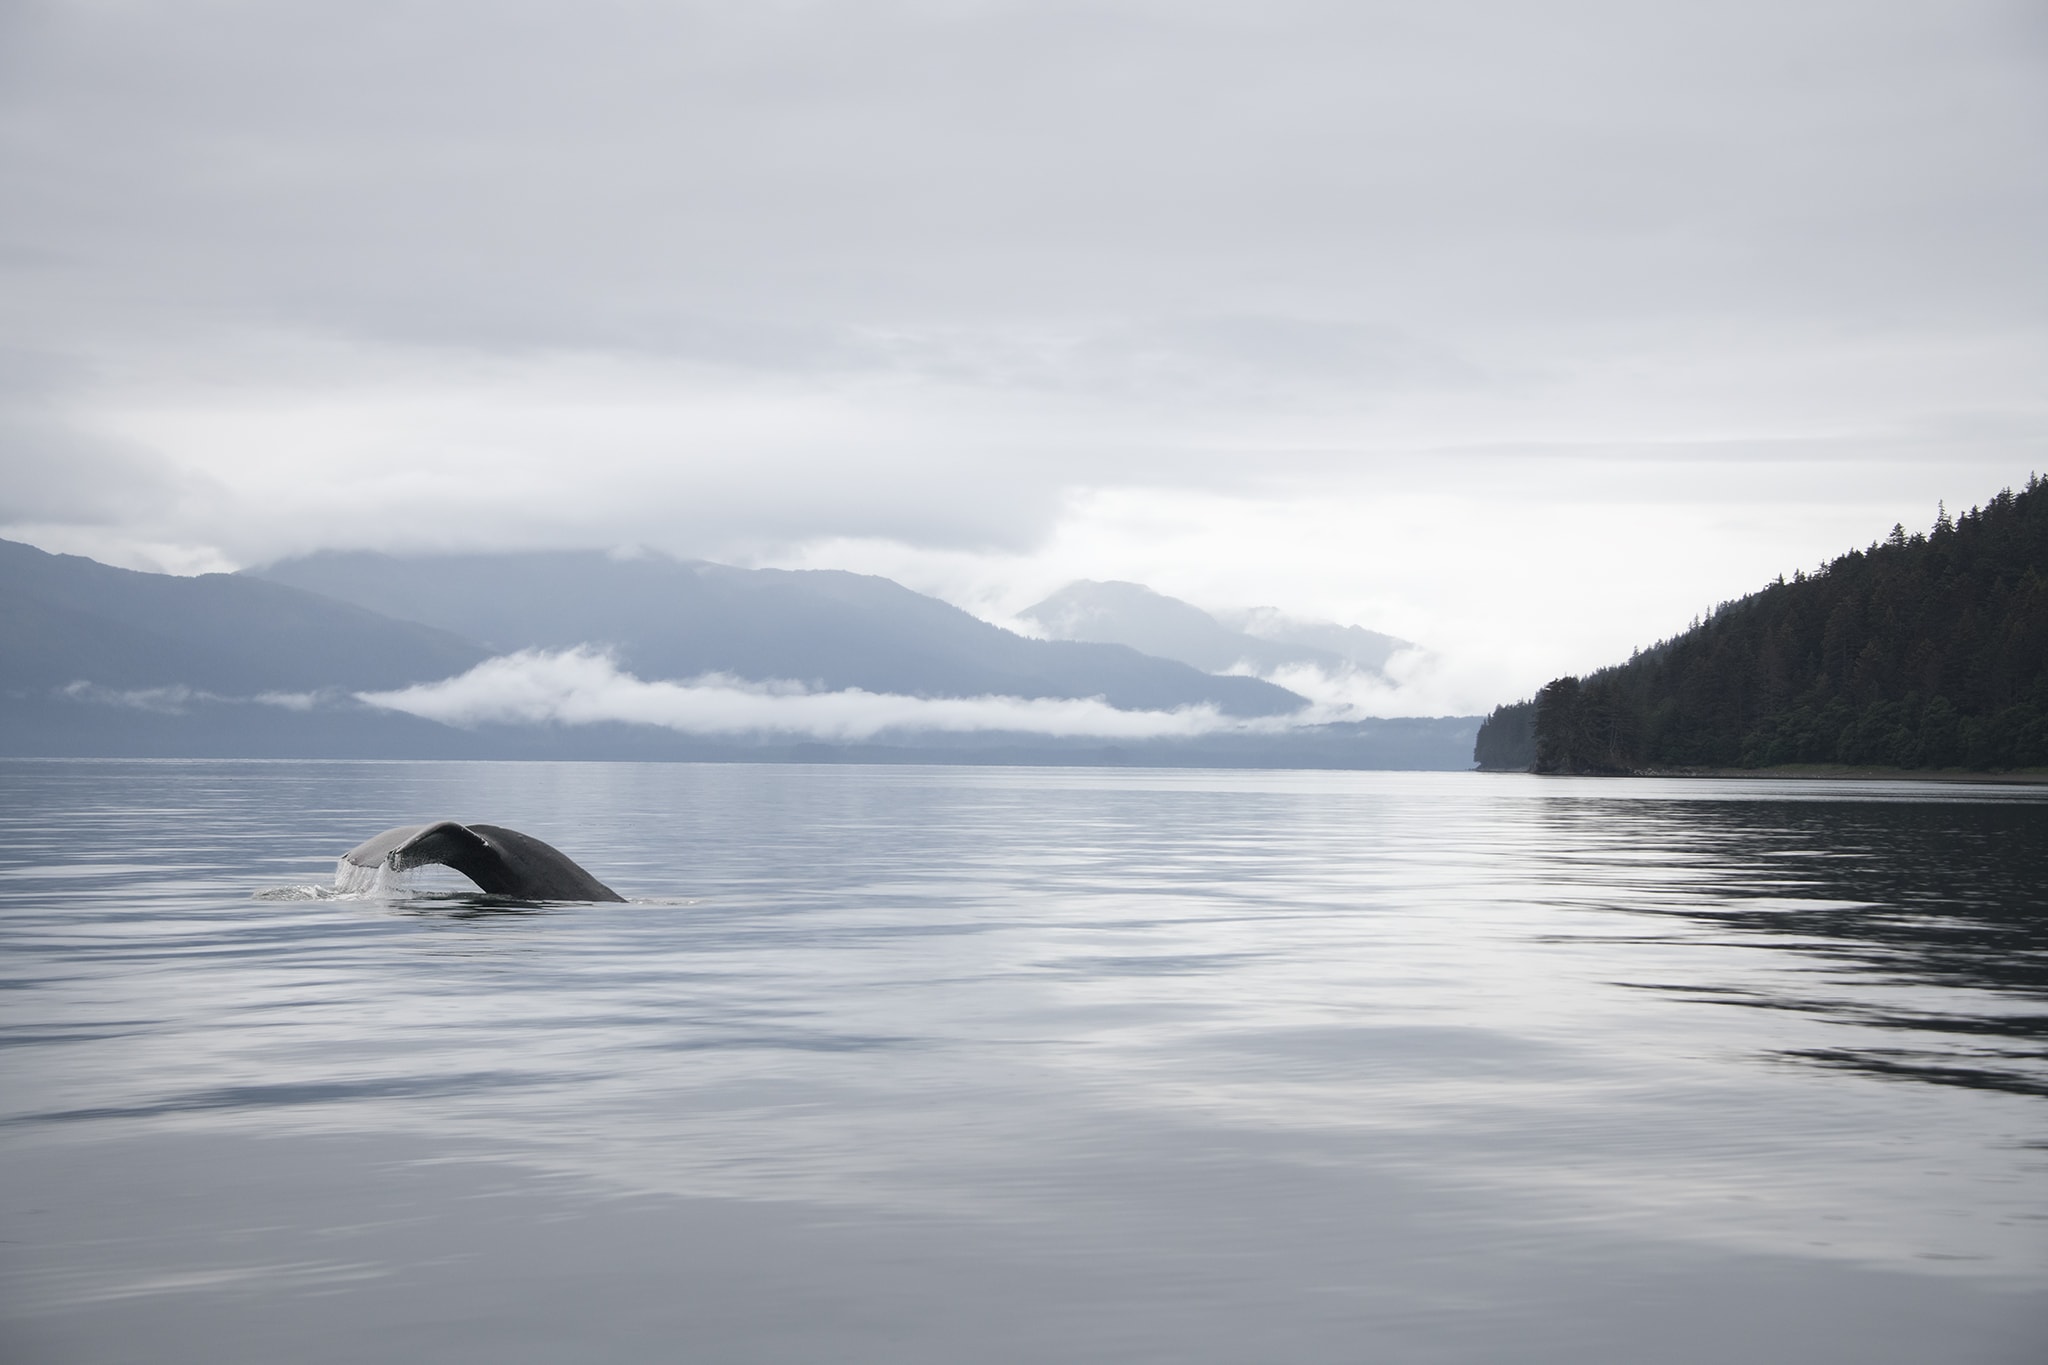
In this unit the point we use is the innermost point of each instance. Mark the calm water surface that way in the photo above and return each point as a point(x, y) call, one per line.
point(947, 1065)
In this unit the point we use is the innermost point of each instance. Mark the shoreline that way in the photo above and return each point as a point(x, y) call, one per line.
point(1842, 772)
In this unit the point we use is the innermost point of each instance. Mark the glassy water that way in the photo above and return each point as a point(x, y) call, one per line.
point(947, 1064)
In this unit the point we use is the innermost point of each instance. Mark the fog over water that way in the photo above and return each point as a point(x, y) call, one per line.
point(929, 1064)
point(583, 686)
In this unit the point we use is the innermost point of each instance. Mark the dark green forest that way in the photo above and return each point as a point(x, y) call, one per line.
point(1507, 739)
point(1922, 651)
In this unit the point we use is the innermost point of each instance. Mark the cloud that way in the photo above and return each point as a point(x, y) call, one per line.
point(57, 473)
point(584, 687)
point(938, 283)
point(173, 700)
point(1413, 682)
point(291, 701)
point(168, 701)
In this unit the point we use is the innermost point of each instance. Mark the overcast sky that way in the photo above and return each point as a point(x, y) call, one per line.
point(1525, 331)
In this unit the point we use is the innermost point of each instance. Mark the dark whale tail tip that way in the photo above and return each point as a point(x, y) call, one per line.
point(501, 861)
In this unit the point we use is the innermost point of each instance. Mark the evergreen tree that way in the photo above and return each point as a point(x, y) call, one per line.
point(1922, 651)
point(1507, 739)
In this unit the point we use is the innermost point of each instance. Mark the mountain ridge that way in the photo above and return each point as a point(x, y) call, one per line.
point(827, 628)
point(1264, 640)
point(97, 661)
point(66, 619)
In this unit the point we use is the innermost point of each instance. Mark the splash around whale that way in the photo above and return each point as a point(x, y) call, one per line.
point(502, 862)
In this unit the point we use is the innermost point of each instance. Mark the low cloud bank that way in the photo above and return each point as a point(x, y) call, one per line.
point(1412, 682)
point(174, 699)
point(583, 687)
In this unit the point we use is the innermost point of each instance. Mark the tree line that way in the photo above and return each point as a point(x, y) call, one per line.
point(1927, 650)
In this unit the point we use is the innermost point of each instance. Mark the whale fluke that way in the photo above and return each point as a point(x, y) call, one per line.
point(501, 861)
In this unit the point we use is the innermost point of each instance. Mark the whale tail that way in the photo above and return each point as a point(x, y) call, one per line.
point(502, 862)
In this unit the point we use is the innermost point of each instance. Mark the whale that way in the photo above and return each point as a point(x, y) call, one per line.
point(502, 862)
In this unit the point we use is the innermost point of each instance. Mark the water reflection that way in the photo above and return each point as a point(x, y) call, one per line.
point(458, 905)
point(1904, 911)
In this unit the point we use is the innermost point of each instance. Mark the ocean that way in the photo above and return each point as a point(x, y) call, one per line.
point(948, 1064)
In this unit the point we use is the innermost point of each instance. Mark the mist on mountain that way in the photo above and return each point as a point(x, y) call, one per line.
point(1263, 641)
point(1362, 648)
point(587, 655)
point(664, 618)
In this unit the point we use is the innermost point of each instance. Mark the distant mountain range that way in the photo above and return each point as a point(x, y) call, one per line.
point(669, 618)
point(64, 619)
point(329, 655)
point(1262, 641)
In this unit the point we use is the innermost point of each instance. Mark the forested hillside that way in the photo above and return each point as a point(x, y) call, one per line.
point(1923, 651)
point(1507, 739)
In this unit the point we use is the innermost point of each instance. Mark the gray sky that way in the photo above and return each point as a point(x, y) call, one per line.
point(1525, 331)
